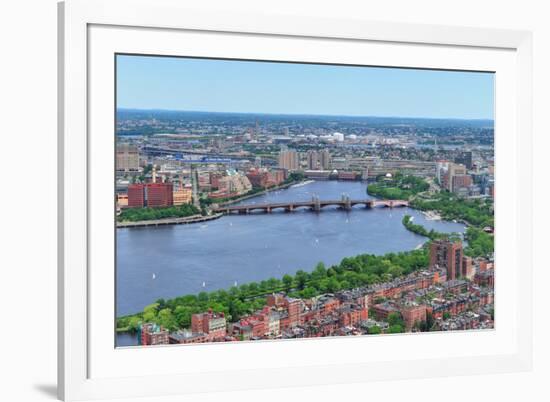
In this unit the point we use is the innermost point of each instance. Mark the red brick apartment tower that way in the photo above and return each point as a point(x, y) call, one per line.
point(160, 194)
point(448, 255)
point(136, 196)
point(293, 306)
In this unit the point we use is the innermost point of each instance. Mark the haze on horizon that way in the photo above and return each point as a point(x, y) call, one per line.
point(176, 84)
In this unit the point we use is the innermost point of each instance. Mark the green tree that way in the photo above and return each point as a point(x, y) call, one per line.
point(167, 320)
point(301, 279)
point(394, 318)
point(395, 329)
point(182, 316)
point(374, 330)
point(150, 313)
point(287, 282)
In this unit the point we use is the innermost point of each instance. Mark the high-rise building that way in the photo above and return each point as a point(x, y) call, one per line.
point(465, 158)
point(127, 158)
point(454, 170)
point(288, 159)
point(312, 160)
point(461, 181)
point(159, 194)
point(324, 159)
point(150, 195)
point(136, 196)
point(447, 254)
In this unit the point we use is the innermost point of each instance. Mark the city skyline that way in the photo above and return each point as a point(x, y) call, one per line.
point(266, 201)
point(257, 87)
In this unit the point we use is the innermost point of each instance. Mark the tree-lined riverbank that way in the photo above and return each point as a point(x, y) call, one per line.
point(173, 260)
point(235, 302)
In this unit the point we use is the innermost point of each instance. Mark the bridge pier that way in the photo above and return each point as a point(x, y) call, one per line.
point(346, 203)
point(316, 204)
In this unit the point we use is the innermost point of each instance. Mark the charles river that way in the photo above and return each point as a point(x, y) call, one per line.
point(174, 260)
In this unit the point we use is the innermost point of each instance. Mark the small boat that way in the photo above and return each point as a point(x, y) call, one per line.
point(204, 284)
point(235, 284)
point(154, 276)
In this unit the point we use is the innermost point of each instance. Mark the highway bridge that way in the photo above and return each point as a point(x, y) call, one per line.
point(315, 205)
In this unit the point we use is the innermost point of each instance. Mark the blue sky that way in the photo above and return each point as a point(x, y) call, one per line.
point(262, 87)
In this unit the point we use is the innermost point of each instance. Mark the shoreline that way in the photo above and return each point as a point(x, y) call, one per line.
point(200, 218)
point(267, 190)
point(168, 221)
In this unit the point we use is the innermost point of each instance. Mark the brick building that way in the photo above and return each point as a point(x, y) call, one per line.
point(150, 195)
point(413, 314)
point(211, 324)
point(152, 334)
point(447, 254)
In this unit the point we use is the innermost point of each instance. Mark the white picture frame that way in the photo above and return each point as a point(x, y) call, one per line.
point(91, 32)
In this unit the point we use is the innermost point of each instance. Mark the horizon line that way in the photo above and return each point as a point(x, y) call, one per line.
point(305, 114)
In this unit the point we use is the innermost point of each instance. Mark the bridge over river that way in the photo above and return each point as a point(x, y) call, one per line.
point(315, 204)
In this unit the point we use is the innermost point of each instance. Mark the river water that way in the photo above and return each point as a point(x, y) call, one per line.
point(170, 261)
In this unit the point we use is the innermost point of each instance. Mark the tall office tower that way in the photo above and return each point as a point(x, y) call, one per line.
point(454, 170)
point(312, 160)
point(448, 255)
point(127, 158)
point(288, 159)
point(324, 159)
point(465, 158)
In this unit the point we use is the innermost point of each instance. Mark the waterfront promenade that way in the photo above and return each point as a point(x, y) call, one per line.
point(169, 221)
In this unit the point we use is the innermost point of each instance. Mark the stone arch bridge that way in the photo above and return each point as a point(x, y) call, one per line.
point(315, 204)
